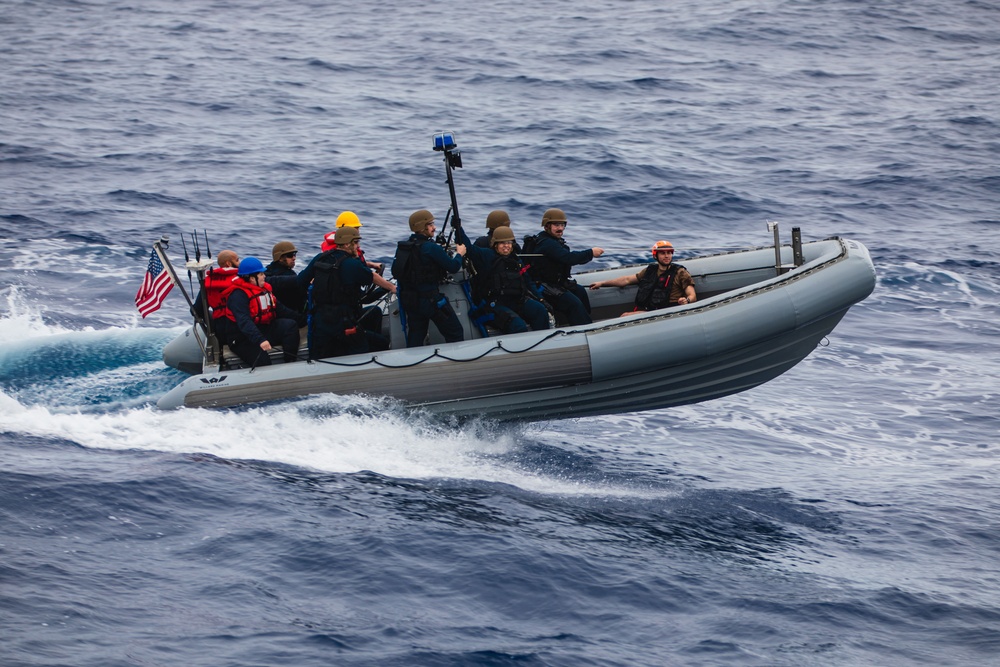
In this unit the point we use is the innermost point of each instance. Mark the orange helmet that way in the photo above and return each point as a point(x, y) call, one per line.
point(662, 245)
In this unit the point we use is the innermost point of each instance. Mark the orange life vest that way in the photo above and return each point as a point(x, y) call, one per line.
point(263, 307)
point(217, 283)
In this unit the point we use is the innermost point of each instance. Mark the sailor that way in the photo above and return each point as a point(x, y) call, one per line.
point(495, 220)
point(501, 286)
point(288, 292)
point(350, 219)
point(217, 281)
point(662, 284)
point(340, 325)
point(551, 265)
point(419, 267)
point(255, 320)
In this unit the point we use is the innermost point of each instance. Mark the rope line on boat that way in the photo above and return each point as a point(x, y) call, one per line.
point(437, 353)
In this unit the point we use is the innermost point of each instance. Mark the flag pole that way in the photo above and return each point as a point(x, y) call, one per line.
point(160, 248)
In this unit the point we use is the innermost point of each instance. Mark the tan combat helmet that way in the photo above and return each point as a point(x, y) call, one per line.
point(553, 215)
point(497, 219)
point(282, 248)
point(419, 220)
point(502, 234)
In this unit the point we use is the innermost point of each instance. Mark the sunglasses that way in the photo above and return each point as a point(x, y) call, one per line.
point(291, 254)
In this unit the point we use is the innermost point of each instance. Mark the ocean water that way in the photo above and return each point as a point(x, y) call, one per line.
point(845, 513)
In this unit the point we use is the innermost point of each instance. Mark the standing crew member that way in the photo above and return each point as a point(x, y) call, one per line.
point(350, 219)
point(420, 267)
point(255, 320)
point(662, 284)
point(339, 282)
point(552, 266)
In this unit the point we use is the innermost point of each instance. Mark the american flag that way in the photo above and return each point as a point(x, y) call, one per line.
point(155, 286)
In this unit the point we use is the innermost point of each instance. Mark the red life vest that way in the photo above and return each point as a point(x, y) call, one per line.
point(263, 307)
point(217, 282)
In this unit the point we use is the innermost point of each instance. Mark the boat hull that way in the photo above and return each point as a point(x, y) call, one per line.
point(727, 343)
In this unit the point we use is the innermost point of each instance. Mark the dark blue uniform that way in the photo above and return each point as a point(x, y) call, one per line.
point(501, 284)
point(551, 270)
point(418, 289)
point(338, 323)
point(288, 292)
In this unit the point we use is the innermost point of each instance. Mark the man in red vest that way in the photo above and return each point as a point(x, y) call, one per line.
point(217, 281)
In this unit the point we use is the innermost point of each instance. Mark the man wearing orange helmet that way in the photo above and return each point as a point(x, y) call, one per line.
point(662, 284)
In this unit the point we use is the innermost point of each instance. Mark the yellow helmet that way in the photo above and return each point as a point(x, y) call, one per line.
point(348, 219)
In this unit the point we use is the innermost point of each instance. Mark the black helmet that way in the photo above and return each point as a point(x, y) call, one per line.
point(553, 215)
point(420, 219)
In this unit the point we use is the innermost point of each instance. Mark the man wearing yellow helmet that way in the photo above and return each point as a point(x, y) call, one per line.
point(662, 284)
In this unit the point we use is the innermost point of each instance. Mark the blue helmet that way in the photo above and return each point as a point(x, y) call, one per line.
point(250, 266)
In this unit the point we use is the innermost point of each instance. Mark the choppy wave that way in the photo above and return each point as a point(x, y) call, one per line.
point(837, 515)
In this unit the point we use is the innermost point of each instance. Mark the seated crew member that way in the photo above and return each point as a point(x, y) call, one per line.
point(662, 284)
point(495, 220)
point(551, 267)
point(255, 320)
point(339, 282)
point(217, 281)
point(501, 284)
point(420, 266)
point(288, 292)
point(350, 219)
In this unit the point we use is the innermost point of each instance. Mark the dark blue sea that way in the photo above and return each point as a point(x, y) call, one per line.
point(846, 513)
